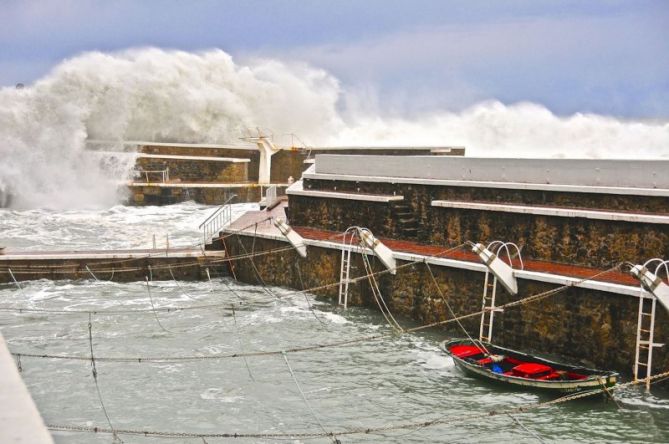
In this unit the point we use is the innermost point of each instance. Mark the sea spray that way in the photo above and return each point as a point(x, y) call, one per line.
point(175, 96)
point(148, 95)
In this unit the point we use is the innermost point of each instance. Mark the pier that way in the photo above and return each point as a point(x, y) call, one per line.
point(579, 225)
point(111, 265)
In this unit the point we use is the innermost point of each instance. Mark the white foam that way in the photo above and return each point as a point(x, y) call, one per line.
point(156, 95)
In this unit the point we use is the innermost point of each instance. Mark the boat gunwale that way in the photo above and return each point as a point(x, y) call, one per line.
point(594, 379)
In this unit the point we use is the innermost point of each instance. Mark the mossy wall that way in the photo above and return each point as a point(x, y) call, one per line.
point(591, 327)
point(570, 240)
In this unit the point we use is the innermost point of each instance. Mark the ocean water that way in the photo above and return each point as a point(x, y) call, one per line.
point(368, 384)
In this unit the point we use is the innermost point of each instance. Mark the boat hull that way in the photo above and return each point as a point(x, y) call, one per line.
point(594, 379)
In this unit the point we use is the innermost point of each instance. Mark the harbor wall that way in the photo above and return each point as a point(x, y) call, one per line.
point(585, 326)
point(571, 240)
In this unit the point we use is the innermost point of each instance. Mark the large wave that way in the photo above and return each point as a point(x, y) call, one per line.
point(156, 95)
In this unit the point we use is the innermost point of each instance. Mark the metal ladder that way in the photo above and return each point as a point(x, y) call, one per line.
point(344, 273)
point(644, 338)
point(488, 308)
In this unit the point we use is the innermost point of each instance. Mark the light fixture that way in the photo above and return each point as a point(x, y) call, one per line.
point(295, 239)
point(500, 269)
point(653, 283)
point(384, 253)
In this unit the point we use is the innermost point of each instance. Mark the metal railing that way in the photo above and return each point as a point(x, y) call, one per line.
point(217, 220)
point(270, 195)
point(164, 174)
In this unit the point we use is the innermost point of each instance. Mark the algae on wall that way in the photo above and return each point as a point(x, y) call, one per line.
point(580, 325)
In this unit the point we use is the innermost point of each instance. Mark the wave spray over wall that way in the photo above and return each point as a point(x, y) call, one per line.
point(174, 96)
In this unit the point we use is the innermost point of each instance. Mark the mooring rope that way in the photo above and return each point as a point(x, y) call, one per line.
point(456, 421)
point(94, 371)
point(378, 297)
point(528, 299)
point(183, 292)
point(306, 298)
point(94, 277)
point(155, 314)
point(259, 278)
point(450, 310)
point(306, 401)
point(239, 343)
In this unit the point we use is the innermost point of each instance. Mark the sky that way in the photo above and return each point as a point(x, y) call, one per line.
point(398, 57)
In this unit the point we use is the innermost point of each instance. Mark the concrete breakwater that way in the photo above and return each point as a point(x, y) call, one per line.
point(570, 225)
point(168, 173)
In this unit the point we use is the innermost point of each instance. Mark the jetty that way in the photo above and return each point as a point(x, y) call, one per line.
point(571, 231)
point(111, 265)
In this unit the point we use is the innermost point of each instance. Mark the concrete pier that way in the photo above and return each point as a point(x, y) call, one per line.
point(111, 265)
point(20, 422)
point(572, 219)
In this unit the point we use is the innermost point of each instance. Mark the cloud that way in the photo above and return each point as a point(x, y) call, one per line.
point(613, 65)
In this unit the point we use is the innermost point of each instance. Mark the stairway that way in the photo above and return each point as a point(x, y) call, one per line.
point(407, 222)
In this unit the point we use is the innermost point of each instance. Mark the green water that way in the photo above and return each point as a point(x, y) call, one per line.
point(368, 384)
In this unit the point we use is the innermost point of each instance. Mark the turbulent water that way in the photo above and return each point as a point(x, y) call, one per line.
point(368, 384)
point(175, 96)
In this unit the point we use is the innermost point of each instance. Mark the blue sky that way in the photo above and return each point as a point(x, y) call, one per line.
point(405, 57)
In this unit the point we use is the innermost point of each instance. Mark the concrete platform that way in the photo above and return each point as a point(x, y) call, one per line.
point(20, 422)
point(114, 265)
point(556, 273)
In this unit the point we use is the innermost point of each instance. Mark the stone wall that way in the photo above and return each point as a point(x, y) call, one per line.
point(252, 154)
point(166, 195)
point(189, 170)
point(582, 326)
point(578, 241)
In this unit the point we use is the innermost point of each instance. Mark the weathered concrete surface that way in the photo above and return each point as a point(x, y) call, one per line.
point(120, 266)
point(580, 325)
point(558, 172)
point(20, 422)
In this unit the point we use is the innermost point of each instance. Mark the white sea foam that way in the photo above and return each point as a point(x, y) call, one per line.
point(156, 95)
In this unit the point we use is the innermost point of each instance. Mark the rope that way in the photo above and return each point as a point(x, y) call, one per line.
point(306, 298)
point(155, 314)
point(526, 300)
point(378, 297)
point(14, 279)
point(89, 270)
point(179, 285)
point(351, 431)
point(239, 344)
point(306, 401)
point(74, 268)
point(253, 264)
point(94, 370)
point(443, 298)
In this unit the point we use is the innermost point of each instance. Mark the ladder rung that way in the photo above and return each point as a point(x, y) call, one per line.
point(641, 363)
point(646, 314)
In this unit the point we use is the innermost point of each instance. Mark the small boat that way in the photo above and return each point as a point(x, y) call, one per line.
point(520, 369)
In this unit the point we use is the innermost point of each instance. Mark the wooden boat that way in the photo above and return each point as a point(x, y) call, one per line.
point(520, 369)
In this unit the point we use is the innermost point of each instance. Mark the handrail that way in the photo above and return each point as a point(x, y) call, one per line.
point(217, 220)
point(234, 196)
